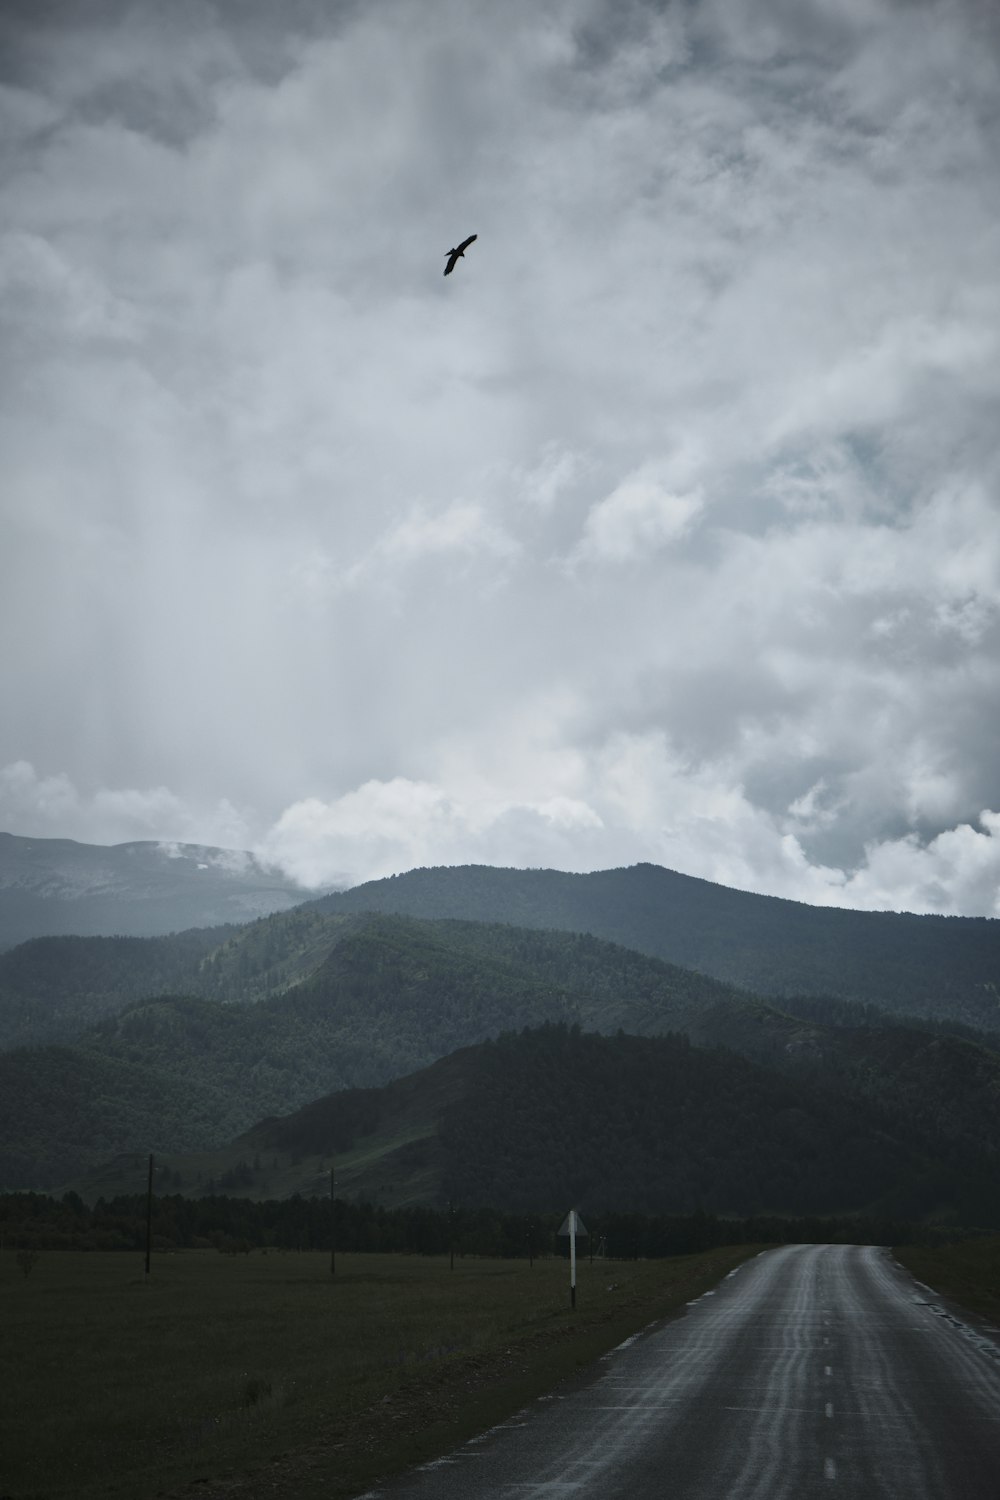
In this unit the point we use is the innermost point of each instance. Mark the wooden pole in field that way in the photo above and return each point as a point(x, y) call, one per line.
point(333, 1229)
point(149, 1212)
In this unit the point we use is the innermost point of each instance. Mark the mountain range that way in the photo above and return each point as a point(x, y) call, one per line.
point(899, 961)
point(910, 964)
point(384, 1026)
point(915, 965)
point(354, 1011)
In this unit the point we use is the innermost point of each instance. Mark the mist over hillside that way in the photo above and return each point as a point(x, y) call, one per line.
point(58, 886)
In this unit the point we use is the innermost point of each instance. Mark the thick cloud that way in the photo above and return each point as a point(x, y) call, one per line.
point(665, 528)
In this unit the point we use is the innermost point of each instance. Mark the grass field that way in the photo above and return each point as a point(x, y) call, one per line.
point(261, 1374)
point(968, 1272)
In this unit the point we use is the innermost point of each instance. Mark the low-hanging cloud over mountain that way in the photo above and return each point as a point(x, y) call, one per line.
point(666, 528)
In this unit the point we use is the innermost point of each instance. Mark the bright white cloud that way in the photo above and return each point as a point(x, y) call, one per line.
point(638, 517)
point(643, 804)
point(460, 532)
point(633, 799)
point(957, 872)
point(52, 807)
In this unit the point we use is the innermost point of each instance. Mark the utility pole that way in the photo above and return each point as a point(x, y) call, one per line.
point(451, 1234)
point(333, 1229)
point(149, 1212)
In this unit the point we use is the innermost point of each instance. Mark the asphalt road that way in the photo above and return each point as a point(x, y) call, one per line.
point(812, 1370)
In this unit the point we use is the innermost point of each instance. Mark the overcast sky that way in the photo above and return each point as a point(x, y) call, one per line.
point(665, 529)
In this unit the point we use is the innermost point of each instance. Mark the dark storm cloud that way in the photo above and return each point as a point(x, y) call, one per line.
point(665, 529)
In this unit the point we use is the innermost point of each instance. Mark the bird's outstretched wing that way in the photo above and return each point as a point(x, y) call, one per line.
point(466, 243)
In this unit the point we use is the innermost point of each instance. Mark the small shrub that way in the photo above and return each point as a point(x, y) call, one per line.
point(27, 1260)
point(256, 1390)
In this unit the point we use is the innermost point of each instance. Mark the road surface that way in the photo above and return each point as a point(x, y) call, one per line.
point(814, 1370)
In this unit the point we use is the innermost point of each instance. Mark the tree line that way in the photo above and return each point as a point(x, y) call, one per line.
point(36, 1221)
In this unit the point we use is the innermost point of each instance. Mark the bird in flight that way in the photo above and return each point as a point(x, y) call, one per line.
point(457, 254)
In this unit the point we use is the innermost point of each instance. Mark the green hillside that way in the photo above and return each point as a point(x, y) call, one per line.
point(52, 988)
point(626, 1121)
point(931, 966)
point(380, 997)
point(555, 1116)
point(63, 1107)
point(390, 996)
point(917, 965)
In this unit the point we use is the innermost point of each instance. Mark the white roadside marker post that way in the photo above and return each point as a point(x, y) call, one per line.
point(572, 1225)
point(572, 1260)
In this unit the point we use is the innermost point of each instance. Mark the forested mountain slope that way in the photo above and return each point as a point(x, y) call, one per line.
point(923, 965)
point(623, 1120)
point(552, 1117)
point(946, 967)
point(393, 994)
point(53, 988)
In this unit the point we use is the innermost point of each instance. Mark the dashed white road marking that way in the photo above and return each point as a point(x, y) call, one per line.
point(643, 1400)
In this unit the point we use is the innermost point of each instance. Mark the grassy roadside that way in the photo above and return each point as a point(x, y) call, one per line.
point(262, 1376)
point(967, 1271)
